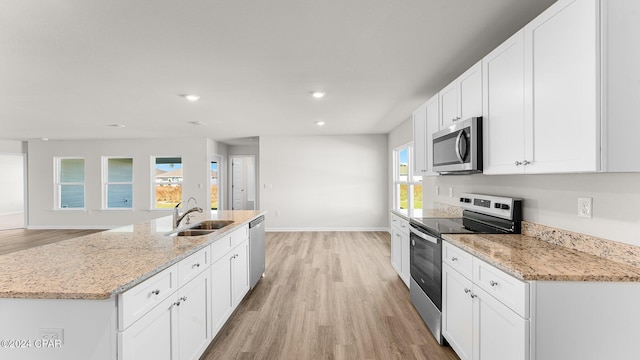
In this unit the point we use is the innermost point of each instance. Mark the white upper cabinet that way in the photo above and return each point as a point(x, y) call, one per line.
point(562, 123)
point(462, 98)
point(425, 123)
point(503, 116)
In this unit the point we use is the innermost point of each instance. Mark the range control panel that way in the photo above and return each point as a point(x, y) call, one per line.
point(503, 207)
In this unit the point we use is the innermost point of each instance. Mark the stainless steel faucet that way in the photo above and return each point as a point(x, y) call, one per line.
point(177, 217)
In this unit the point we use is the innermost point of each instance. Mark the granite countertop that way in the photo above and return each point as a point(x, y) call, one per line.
point(104, 264)
point(529, 258)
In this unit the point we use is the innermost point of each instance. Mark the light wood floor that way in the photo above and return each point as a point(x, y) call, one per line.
point(21, 239)
point(327, 296)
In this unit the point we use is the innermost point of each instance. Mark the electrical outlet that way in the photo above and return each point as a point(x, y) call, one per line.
point(585, 207)
point(437, 190)
point(450, 191)
point(52, 335)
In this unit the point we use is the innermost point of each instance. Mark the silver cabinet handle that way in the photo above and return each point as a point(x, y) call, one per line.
point(184, 298)
point(156, 292)
point(526, 162)
point(195, 265)
point(518, 163)
point(466, 291)
point(473, 296)
point(454, 259)
point(493, 283)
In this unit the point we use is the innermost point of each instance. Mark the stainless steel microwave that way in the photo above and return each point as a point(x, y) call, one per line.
point(458, 148)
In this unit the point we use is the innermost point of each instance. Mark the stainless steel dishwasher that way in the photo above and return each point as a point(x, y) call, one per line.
point(256, 250)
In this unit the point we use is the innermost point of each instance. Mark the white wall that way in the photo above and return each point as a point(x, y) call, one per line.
point(553, 199)
point(195, 153)
point(324, 182)
point(12, 147)
point(11, 184)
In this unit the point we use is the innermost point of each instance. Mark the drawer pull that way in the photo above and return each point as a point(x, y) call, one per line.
point(195, 265)
point(454, 259)
point(493, 283)
point(473, 296)
point(156, 292)
point(466, 291)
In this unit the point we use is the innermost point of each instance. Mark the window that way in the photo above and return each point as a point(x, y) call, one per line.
point(70, 183)
point(167, 182)
point(118, 183)
point(407, 194)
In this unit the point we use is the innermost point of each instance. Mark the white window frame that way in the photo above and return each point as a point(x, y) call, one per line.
point(57, 202)
point(410, 182)
point(106, 183)
point(153, 180)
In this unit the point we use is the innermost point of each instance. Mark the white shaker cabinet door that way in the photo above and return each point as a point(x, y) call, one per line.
point(449, 105)
point(194, 317)
point(457, 312)
point(470, 92)
point(500, 333)
point(561, 75)
point(503, 117)
point(221, 301)
point(240, 272)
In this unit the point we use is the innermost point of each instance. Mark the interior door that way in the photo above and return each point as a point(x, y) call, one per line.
point(12, 190)
point(238, 184)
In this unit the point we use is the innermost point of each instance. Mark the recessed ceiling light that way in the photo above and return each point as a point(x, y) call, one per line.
point(318, 94)
point(116, 125)
point(196, 123)
point(320, 123)
point(191, 97)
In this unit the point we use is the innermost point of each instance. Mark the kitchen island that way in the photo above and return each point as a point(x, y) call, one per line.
point(125, 292)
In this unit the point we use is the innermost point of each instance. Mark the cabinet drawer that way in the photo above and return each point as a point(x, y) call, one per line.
point(193, 265)
point(239, 235)
point(400, 223)
point(139, 300)
point(457, 259)
point(504, 287)
point(220, 247)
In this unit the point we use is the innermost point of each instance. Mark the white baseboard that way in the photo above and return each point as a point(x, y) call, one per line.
point(349, 229)
point(71, 227)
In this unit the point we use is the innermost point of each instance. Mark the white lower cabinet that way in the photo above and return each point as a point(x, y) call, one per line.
point(159, 320)
point(240, 272)
point(221, 301)
point(194, 309)
point(400, 249)
point(476, 324)
point(152, 336)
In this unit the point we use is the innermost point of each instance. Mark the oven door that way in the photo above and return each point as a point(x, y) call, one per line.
point(426, 264)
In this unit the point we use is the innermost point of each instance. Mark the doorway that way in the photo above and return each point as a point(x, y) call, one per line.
point(243, 182)
point(12, 192)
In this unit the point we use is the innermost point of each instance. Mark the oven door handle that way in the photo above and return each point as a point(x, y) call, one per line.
point(415, 231)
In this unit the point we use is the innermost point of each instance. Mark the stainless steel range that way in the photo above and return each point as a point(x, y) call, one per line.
point(483, 214)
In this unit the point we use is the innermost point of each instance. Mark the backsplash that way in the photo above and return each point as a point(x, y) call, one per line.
point(615, 251)
point(454, 211)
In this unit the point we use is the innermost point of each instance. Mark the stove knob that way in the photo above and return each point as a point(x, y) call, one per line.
point(504, 207)
point(497, 205)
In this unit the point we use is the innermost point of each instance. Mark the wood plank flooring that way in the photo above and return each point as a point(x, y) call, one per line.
point(21, 239)
point(327, 295)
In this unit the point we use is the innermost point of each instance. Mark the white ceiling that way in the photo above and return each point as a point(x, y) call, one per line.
point(69, 68)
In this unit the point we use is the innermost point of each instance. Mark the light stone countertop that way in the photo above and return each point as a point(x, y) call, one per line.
point(529, 258)
point(104, 264)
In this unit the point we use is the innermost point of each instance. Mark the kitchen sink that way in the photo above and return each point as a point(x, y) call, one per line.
point(202, 228)
point(192, 232)
point(211, 224)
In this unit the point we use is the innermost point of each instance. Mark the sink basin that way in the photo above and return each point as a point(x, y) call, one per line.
point(192, 232)
point(202, 228)
point(211, 224)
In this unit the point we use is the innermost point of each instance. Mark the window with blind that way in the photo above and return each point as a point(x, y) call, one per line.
point(69, 183)
point(118, 183)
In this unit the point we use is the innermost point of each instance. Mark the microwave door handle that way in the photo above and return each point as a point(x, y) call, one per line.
point(458, 139)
